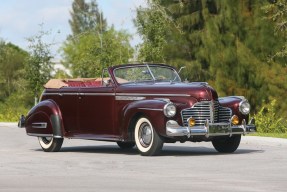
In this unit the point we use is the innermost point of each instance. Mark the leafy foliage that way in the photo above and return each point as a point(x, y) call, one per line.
point(13, 92)
point(90, 53)
point(226, 43)
point(13, 107)
point(11, 74)
point(268, 121)
point(93, 45)
point(38, 65)
point(276, 12)
point(86, 17)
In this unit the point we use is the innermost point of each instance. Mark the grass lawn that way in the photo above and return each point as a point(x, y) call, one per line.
point(277, 135)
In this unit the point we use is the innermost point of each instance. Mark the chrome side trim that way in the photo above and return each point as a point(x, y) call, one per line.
point(121, 94)
point(151, 109)
point(153, 94)
point(82, 94)
point(39, 125)
point(40, 135)
point(127, 98)
point(98, 94)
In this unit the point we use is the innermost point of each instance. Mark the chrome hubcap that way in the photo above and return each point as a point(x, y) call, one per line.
point(145, 134)
point(46, 140)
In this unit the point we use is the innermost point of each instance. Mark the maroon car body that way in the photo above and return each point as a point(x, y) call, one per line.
point(141, 104)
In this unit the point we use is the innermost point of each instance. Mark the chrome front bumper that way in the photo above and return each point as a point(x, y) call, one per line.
point(210, 129)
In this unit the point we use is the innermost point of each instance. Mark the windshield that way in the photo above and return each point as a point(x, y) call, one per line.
point(145, 73)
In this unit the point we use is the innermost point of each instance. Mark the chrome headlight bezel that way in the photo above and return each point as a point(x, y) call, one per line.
point(244, 107)
point(169, 110)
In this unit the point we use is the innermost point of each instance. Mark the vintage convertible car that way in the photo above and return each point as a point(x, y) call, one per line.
point(138, 104)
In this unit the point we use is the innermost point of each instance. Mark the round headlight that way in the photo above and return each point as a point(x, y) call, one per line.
point(169, 110)
point(244, 107)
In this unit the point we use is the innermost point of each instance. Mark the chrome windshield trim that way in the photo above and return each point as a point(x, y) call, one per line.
point(150, 72)
point(148, 66)
point(153, 94)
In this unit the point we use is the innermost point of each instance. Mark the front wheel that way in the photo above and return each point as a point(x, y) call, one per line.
point(227, 145)
point(147, 140)
point(50, 144)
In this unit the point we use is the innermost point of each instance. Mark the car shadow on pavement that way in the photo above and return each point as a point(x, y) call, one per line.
point(167, 150)
point(107, 149)
point(200, 151)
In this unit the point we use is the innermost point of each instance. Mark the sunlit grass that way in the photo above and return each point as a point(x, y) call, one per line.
point(276, 135)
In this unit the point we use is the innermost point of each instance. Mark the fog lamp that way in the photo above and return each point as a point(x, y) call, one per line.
point(235, 120)
point(191, 122)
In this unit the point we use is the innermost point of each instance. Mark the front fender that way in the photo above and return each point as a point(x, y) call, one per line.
point(151, 109)
point(45, 119)
point(233, 103)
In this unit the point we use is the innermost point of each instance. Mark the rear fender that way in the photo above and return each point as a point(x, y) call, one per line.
point(151, 109)
point(45, 119)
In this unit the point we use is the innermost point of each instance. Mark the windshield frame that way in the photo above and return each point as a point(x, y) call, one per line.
point(148, 66)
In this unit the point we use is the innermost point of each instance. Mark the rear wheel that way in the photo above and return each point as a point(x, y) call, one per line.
point(227, 144)
point(50, 144)
point(147, 140)
point(126, 145)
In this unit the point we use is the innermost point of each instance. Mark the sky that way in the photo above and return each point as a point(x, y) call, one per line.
point(21, 19)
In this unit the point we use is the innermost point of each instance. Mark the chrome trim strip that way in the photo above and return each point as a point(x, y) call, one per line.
point(98, 94)
point(151, 109)
point(40, 135)
point(39, 125)
point(127, 98)
point(121, 94)
point(153, 94)
point(82, 94)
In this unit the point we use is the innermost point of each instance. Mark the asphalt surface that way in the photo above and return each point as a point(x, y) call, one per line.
point(260, 164)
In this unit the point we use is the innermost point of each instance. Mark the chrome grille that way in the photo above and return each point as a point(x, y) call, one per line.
point(210, 110)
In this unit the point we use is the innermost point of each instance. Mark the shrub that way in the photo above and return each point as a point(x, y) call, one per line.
point(12, 108)
point(267, 121)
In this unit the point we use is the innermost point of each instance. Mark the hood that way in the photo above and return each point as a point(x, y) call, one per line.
point(198, 90)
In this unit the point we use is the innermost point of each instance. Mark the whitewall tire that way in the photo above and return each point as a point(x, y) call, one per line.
point(147, 140)
point(50, 144)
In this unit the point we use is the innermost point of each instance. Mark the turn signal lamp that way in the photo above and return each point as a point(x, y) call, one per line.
point(235, 120)
point(191, 122)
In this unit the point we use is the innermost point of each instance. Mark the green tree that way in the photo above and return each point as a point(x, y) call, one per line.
point(92, 52)
point(93, 45)
point(224, 42)
point(11, 64)
point(14, 98)
point(276, 12)
point(151, 24)
point(38, 65)
point(85, 17)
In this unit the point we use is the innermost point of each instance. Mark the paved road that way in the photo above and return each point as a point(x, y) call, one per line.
point(260, 164)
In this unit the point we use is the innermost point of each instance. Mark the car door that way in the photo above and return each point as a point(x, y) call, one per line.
point(68, 104)
point(96, 111)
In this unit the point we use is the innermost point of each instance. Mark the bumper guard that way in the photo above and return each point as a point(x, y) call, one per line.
point(210, 129)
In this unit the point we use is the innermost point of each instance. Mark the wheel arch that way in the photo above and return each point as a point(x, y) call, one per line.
point(151, 109)
point(45, 119)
